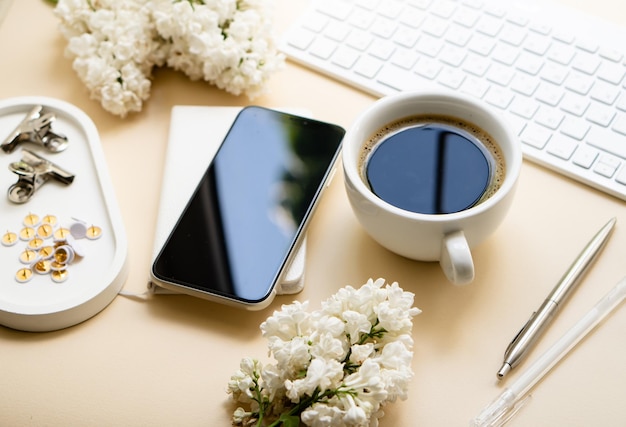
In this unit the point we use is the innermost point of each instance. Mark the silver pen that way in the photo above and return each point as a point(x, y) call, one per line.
point(541, 318)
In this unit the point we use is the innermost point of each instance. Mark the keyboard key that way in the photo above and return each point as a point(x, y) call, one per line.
point(554, 73)
point(529, 63)
point(500, 74)
point(513, 35)
point(337, 31)
point(524, 84)
point(382, 49)
point(611, 72)
point(436, 27)
point(443, 8)
point(611, 54)
point(603, 92)
point(574, 128)
point(452, 55)
point(605, 170)
point(428, 68)
point(390, 8)
point(422, 4)
point(474, 87)
point(587, 45)
point(345, 57)
point(322, 48)
point(458, 36)
point(549, 117)
point(524, 107)
point(316, 23)
point(549, 94)
point(600, 114)
point(451, 77)
point(384, 28)
point(586, 63)
point(466, 17)
point(362, 19)
point(537, 44)
point(404, 58)
point(398, 78)
point(604, 140)
point(499, 97)
point(621, 176)
point(574, 104)
point(429, 46)
point(481, 44)
point(561, 53)
point(359, 40)
point(585, 156)
point(505, 54)
point(535, 136)
point(412, 17)
point(406, 37)
point(367, 4)
point(489, 26)
point(619, 124)
point(562, 147)
point(476, 65)
point(367, 66)
point(301, 39)
point(579, 83)
point(337, 9)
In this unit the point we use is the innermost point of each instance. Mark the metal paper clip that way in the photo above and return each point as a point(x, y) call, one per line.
point(36, 128)
point(33, 172)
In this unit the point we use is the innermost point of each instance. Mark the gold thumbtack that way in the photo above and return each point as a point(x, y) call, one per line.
point(28, 256)
point(61, 233)
point(9, 238)
point(44, 231)
point(23, 275)
point(59, 276)
point(31, 220)
point(46, 252)
point(64, 254)
point(57, 266)
point(27, 233)
point(94, 232)
point(42, 267)
point(49, 219)
point(35, 243)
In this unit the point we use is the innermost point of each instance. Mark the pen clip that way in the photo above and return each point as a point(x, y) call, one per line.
point(519, 334)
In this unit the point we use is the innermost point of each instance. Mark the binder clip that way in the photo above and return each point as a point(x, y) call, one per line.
point(34, 171)
point(36, 128)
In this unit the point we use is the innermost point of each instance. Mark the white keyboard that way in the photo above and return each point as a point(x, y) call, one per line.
point(562, 85)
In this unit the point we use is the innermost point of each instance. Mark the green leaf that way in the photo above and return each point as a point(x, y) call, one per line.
point(290, 420)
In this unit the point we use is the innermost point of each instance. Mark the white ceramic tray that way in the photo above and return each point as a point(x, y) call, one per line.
point(93, 279)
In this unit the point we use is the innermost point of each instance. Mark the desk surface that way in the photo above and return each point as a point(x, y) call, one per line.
point(167, 360)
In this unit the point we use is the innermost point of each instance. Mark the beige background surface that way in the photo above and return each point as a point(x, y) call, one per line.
point(166, 361)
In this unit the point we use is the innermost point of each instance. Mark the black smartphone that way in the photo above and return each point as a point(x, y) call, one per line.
point(241, 228)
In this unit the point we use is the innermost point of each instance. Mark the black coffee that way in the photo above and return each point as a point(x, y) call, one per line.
point(432, 165)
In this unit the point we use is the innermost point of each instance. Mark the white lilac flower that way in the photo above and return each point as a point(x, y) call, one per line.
point(116, 44)
point(336, 366)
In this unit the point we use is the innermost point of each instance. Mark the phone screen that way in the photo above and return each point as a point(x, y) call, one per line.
point(251, 205)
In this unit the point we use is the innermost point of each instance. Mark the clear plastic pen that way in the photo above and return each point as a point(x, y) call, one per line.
point(507, 404)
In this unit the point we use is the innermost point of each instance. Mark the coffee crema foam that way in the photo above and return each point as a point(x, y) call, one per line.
point(482, 137)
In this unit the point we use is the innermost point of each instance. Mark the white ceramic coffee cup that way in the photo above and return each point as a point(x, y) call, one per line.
point(446, 238)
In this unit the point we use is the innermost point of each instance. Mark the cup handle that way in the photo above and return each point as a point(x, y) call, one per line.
point(456, 259)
